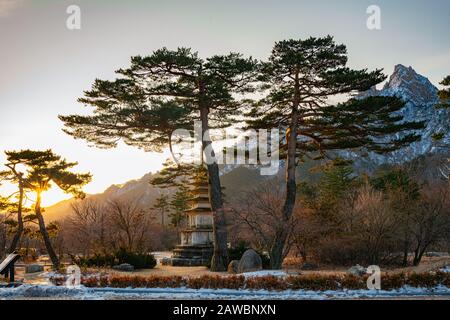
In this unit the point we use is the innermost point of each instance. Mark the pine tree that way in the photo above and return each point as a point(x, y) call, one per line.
point(336, 185)
point(300, 76)
point(162, 205)
point(396, 179)
point(43, 169)
point(444, 94)
point(444, 98)
point(163, 92)
point(338, 178)
point(179, 204)
point(174, 175)
point(14, 176)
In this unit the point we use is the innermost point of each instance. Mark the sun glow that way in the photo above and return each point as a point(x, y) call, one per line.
point(49, 198)
point(53, 196)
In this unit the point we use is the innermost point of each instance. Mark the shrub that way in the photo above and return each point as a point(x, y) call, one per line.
point(314, 282)
point(91, 282)
point(266, 283)
point(103, 281)
point(352, 282)
point(121, 282)
point(97, 260)
point(165, 282)
point(216, 282)
point(392, 281)
point(423, 280)
point(138, 260)
point(444, 278)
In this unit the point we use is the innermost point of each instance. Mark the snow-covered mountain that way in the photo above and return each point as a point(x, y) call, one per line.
point(421, 97)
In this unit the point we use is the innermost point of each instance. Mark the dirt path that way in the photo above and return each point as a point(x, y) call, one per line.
point(168, 271)
point(428, 264)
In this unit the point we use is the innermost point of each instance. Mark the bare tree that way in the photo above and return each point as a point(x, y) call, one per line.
point(260, 211)
point(130, 223)
point(309, 231)
point(375, 224)
point(430, 222)
point(88, 224)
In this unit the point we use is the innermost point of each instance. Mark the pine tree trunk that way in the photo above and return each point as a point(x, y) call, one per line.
point(276, 251)
point(42, 228)
point(219, 261)
point(15, 241)
point(2, 241)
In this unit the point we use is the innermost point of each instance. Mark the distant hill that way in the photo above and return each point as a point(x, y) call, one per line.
point(239, 180)
point(140, 190)
point(235, 182)
point(58, 211)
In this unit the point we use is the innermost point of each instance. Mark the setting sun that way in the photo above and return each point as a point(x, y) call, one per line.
point(49, 197)
point(53, 196)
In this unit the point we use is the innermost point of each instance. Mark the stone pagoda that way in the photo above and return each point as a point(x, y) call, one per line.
point(196, 247)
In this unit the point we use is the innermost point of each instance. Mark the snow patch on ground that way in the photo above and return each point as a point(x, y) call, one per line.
point(47, 291)
point(83, 293)
point(446, 269)
point(263, 273)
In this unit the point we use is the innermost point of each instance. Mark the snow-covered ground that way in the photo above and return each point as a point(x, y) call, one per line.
point(446, 269)
point(83, 293)
point(45, 290)
point(275, 273)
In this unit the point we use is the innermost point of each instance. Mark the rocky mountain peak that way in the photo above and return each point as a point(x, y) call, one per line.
point(409, 85)
point(420, 97)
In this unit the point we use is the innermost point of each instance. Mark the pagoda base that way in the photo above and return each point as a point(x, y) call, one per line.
point(190, 256)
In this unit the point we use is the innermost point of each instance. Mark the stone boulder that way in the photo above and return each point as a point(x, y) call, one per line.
point(32, 268)
point(357, 270)
point(124, 267)
point(233, 266)
point(166, 261)
point(250, 261)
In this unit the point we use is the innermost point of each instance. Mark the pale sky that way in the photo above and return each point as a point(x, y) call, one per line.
point(45, 67)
